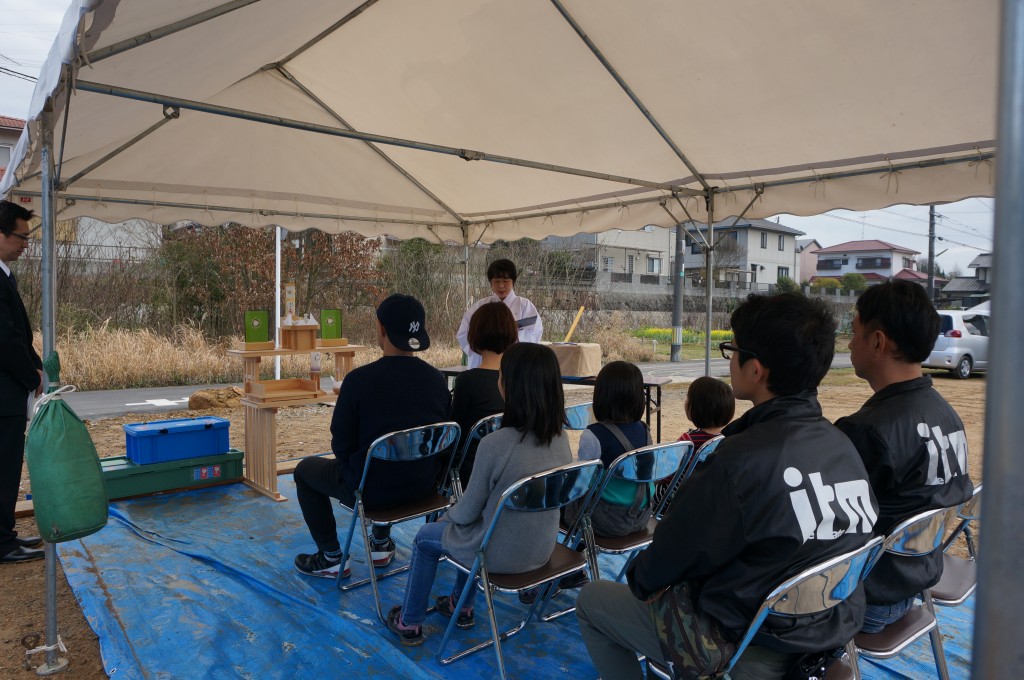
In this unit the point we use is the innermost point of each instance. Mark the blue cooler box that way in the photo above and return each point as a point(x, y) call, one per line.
point(162, 440)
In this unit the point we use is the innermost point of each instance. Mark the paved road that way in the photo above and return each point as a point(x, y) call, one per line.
point(150, 401)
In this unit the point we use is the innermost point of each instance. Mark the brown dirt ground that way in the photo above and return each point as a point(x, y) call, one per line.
point(304, 431)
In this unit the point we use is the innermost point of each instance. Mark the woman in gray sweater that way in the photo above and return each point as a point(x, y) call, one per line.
point(530, 441)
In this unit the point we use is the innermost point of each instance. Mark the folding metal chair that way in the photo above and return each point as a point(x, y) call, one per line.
point(579, 416)
point(959, 575)
point(917, 536)
point(642, 466)
point(702, 454)
point(546, 491)
point(812, 591)
point(413, 444)
point(452, 482)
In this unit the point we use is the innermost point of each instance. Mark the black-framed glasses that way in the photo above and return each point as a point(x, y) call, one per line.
point(728, 349)
point(23, 237)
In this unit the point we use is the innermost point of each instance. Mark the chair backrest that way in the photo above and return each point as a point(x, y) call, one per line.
point(548, 490)
point(480, 429)
point(579, 416)
point(814, 590)
point(703, 453)
point(415, 443)
point(970, 510)
point(921, 534)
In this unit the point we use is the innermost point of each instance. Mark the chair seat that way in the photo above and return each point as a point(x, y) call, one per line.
point(424, 506)
point(562, 561)
point(959, 579)
point(621, 544)
point(894, 637)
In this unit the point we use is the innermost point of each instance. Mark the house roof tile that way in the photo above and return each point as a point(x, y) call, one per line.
point(865, 246)
point(8, 122)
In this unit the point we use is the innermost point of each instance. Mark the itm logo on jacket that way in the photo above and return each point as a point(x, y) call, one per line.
point(938, 447)
point(852, 498)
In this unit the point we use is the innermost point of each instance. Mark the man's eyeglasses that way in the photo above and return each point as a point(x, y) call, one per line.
point(23, 237)
point(728, 349)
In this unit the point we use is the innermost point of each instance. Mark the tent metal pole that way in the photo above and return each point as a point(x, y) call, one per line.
point(53, 663)
point(709, 260)
point(999, 627)
point(465, 154)
point(329, 30)
point(278, 237)
point(629, 92)
point(465, 264)
point(306, 91)
point(162, 32)
point(170, 113)
point(64, 124)
point(677, 296)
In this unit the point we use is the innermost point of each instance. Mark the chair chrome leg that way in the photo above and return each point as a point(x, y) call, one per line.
point(346, 547)
point(851, 651)
point(369, 564)
point(936, 638)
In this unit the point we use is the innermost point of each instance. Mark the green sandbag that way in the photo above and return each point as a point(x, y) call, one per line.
point(69, 494)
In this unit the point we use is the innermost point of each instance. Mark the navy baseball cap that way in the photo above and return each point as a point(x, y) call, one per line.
point(404, 320)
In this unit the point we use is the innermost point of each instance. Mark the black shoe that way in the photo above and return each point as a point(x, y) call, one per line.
point(446, 605)
point(29, 541)
point(21, 554)
point(528, 596)
point(320, 565)
point(574, 580)
point(411, 636)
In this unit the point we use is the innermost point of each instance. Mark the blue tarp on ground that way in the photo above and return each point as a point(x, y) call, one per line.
point(201, 584)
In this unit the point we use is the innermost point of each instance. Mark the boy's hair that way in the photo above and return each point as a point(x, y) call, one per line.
point(793, 336)
point(711, 401)
point(901, 310)
point(492, 327)
point(619, 393)
point(502, 269)
point(532, 382)
point(9, 212)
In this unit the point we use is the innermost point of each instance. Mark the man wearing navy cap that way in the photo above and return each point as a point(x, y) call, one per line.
point(396, 392)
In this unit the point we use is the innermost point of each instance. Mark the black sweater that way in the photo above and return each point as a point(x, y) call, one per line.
point(392, 393)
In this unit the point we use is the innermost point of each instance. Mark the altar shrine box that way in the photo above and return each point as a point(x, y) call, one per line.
point(578, 359)
point(160, 441)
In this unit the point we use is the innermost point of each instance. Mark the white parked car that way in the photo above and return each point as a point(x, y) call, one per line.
point(962, 345)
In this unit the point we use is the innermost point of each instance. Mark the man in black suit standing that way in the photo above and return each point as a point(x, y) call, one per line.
point(20, 375)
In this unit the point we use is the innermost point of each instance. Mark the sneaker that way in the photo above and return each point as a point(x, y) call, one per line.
point(320, 565)
point(411, 636)
point(575, 580)
point(382, 553)
point(446, 605)
point(528, 596)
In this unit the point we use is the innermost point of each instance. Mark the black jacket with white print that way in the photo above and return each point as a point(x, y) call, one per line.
point(784, 491)
point(914, 447)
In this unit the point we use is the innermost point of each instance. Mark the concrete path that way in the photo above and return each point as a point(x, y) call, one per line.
point(148, 401)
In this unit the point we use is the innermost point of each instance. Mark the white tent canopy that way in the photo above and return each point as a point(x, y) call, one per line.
point(497, 119)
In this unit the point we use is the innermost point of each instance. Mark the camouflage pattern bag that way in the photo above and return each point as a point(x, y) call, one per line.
point(692, 643)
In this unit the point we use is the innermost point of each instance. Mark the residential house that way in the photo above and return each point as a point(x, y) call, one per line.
point(967, 291)
point(750, 254)
point(876, 261)
point(10, 131)
point(642, 257)
point(806, 260)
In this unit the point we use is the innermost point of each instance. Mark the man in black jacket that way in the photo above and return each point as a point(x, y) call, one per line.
point(20, 375)
point(784, 490)
point(912, 441)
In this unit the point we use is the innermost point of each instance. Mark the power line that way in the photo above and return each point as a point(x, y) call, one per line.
point(902, 231)
point(15, 74)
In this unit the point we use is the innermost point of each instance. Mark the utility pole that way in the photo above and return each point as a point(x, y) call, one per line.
point(931, 253)
point(677, 295)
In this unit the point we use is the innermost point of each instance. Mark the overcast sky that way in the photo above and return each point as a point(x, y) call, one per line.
point(27, 28)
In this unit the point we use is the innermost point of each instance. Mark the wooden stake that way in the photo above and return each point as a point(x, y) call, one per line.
point(572, 329)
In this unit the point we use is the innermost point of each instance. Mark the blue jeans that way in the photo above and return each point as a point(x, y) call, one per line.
point(426, 553)
point(878, 616)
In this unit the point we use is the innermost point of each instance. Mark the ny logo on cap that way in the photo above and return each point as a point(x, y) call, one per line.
point(414, 327)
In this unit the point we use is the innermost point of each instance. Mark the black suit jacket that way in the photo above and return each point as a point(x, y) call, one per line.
point(19, 362)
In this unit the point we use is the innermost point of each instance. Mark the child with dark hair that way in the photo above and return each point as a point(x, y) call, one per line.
point(492, 330)
point(625, 507)
point(530, 441)
point(710, 406)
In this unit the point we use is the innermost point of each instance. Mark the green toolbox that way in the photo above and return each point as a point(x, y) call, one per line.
point(125, 478)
